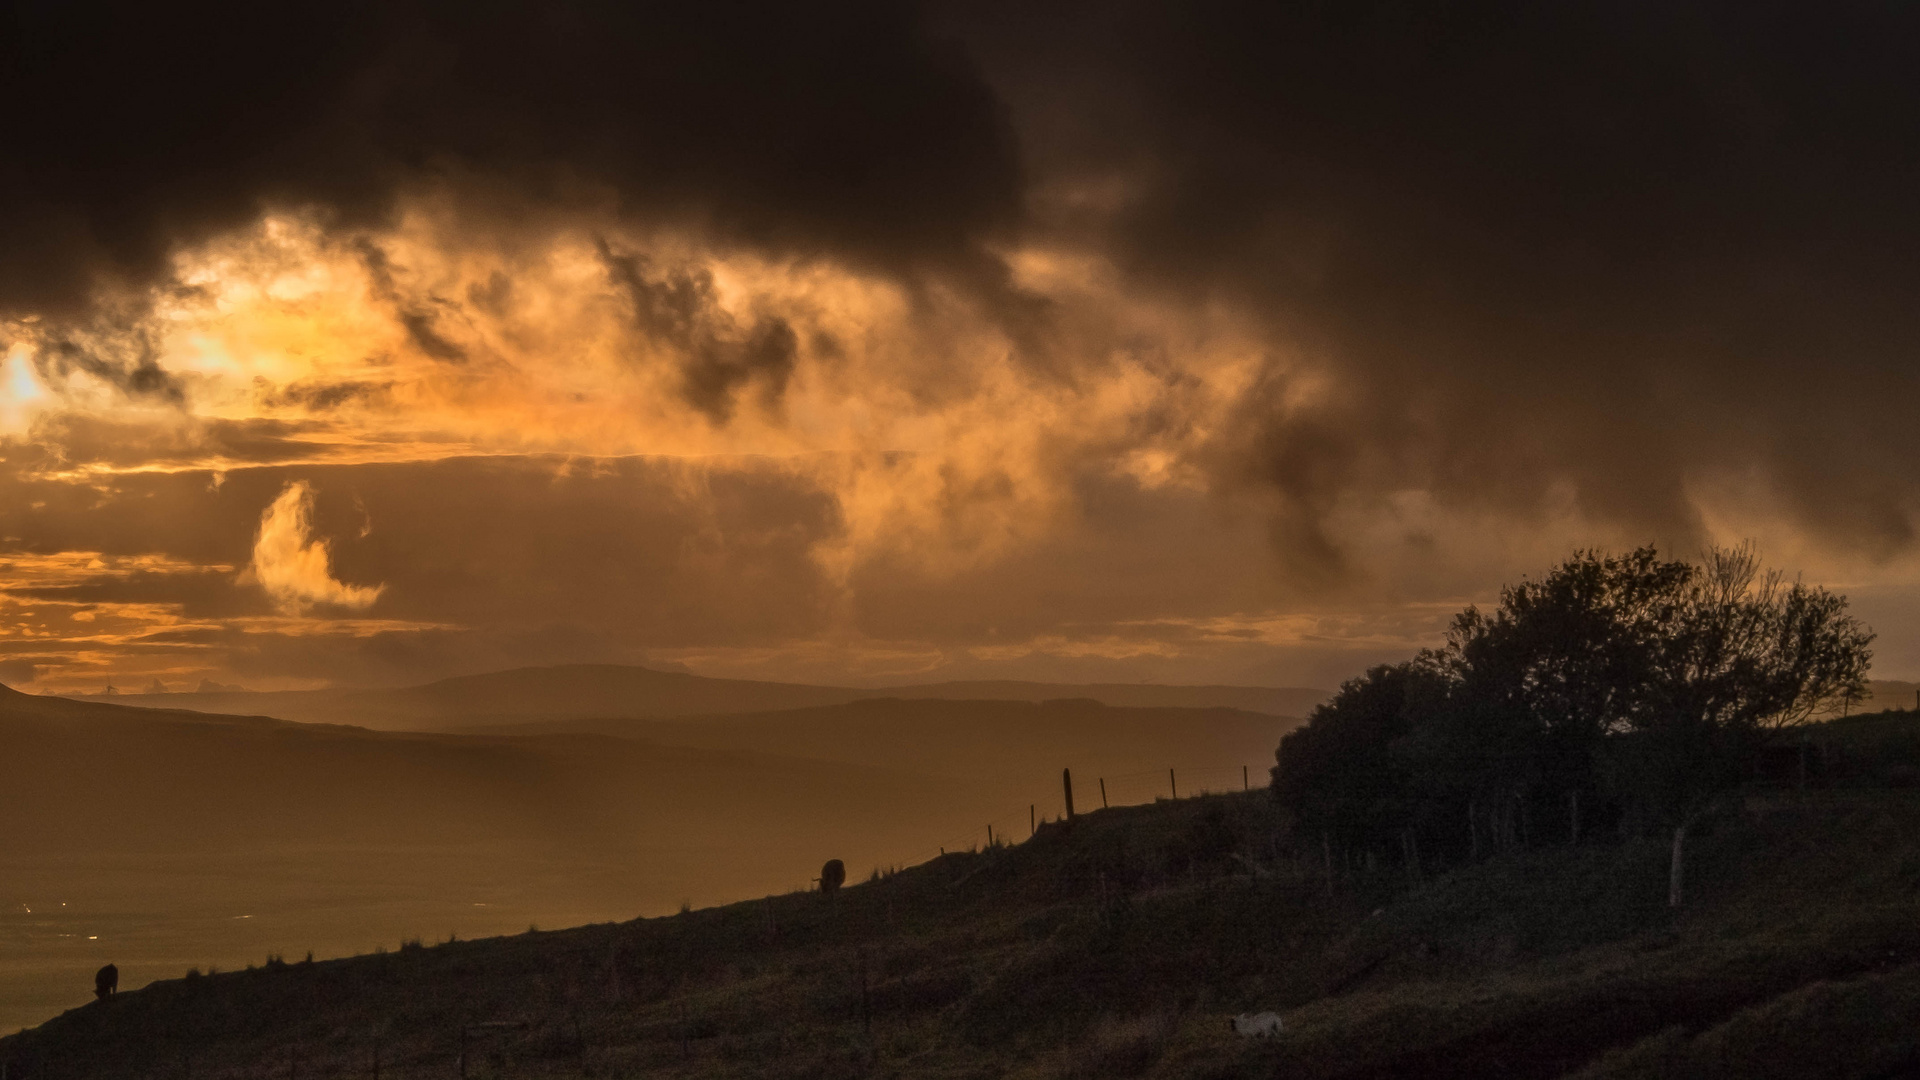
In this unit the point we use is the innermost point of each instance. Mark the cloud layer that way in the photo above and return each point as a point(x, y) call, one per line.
point(1202, 341)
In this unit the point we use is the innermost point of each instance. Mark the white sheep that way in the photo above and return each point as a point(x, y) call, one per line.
point(1260, 1025)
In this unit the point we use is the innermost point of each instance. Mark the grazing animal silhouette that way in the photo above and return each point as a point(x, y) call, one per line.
point(1264, 1025)
point(106, 982)
point(833, 875)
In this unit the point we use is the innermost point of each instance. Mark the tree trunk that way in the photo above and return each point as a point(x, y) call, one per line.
point(1674, 872)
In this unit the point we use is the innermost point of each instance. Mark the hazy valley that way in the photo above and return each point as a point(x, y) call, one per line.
point(176, 838)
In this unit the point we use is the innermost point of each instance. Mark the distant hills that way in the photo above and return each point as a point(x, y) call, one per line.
point(82, 776)
point(607, 691)
point(1009, 750)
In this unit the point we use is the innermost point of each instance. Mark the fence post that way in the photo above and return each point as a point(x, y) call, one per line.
point(1173, 783)
point(1103, 793)
point(1066, 781)
point(989, 835)
point(1032, 821)
point(1245, 784)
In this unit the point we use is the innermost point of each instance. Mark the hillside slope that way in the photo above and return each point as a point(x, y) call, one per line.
point(1117, 946)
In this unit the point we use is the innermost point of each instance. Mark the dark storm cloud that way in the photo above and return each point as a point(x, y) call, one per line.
point(134, 127)
point(420, 322)
point(676, 309)
point(320, 396)
point(79, 439)
point(122, 358)
point(1608, 244)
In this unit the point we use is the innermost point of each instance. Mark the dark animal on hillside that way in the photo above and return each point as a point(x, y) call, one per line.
point(106, 982)
point(832, 876)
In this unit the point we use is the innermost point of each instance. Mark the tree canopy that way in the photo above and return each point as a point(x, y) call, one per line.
point(1627, 684)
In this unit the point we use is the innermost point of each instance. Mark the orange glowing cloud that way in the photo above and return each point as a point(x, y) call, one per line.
point(294, 567)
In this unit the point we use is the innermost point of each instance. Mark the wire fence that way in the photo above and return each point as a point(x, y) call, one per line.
point(1000, 825)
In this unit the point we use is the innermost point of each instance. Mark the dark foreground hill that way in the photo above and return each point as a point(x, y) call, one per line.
point(1118, 945)
point(600, 691)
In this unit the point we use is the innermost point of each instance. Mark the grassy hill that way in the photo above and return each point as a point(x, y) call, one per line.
point(1117, 945)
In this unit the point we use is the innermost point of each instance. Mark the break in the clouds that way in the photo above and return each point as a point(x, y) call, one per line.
point(1184, 341)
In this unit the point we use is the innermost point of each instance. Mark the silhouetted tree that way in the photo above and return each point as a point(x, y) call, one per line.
point(1745, 654)
point(1654, 680)
point(832, 876)
point(1536, 687)
point(1339, 774)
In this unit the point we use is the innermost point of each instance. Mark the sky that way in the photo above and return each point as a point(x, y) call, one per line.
point(368, 344)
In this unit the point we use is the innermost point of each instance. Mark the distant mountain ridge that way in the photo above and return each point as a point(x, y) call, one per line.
point(1011, 748)
point(613, 691)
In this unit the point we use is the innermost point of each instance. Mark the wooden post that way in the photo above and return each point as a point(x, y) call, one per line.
point(1103, 793)
point(1245, 784)
point(989, 834)
point(1173, 783)
point(1032, 826)
point(1066, 782)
